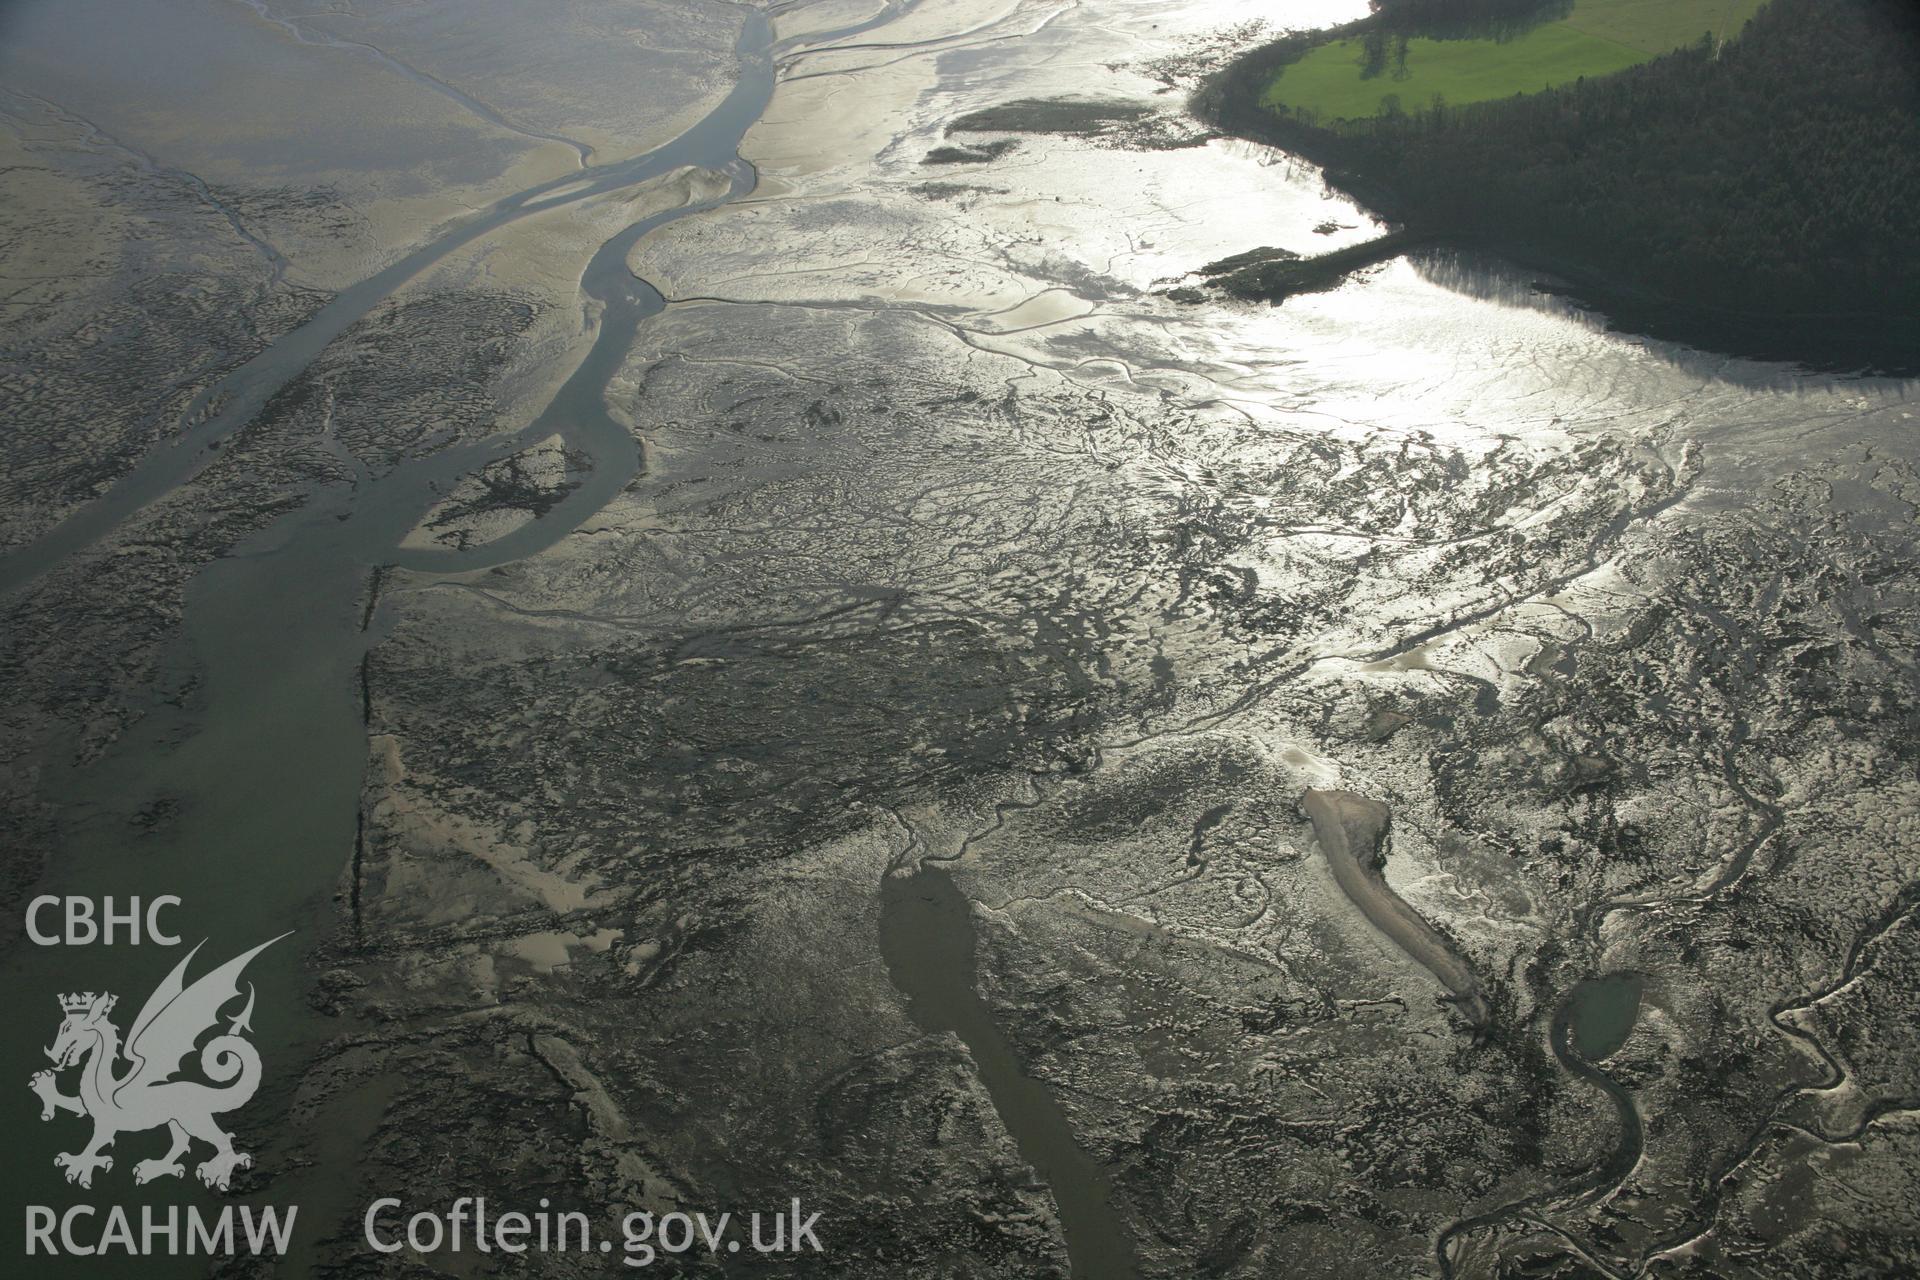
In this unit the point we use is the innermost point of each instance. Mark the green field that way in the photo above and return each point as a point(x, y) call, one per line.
point(1597, 38)
point(1655, 26)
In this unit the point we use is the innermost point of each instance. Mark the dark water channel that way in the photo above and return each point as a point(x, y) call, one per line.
point(927, 939)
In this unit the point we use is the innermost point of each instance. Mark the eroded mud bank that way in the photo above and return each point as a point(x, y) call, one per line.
point(1351, 831)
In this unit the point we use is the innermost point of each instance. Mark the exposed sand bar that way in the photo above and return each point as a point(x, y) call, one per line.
point(1349, 829)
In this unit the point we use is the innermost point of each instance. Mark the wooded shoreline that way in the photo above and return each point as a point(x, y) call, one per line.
point(1369, 163)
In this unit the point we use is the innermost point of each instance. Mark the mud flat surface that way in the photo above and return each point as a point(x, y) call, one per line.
point(699, 519)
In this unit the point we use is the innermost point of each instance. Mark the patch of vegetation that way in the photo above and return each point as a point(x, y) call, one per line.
point(1269, 274)
point(1125, 124)
point(954, 190)
point(1420, 52)
point(1661, 26)
point(1073, 117)
point(1331, 83)
point(980, 154)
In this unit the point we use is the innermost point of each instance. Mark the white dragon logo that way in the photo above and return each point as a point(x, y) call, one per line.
point(146, 1096)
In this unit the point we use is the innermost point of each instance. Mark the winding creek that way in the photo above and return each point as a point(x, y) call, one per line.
point(712, 143)
point(262, 744)
point(266, 755)
point(1593, 1020)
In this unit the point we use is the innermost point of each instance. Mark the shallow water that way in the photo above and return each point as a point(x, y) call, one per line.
point(927, 939)
point(1600, 1013)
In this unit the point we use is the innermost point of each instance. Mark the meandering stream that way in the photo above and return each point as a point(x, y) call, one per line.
point(264, 759)
point(260, 751)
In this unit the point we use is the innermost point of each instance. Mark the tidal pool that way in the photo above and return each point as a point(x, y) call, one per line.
point(1600, 1013)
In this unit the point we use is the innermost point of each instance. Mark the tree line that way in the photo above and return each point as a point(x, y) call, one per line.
point(1776, 173)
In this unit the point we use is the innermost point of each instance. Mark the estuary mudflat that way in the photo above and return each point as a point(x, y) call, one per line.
point(729, 574)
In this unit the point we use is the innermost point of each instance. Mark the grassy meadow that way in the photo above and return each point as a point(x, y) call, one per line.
point(1657, 26)
point(1596, 38)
